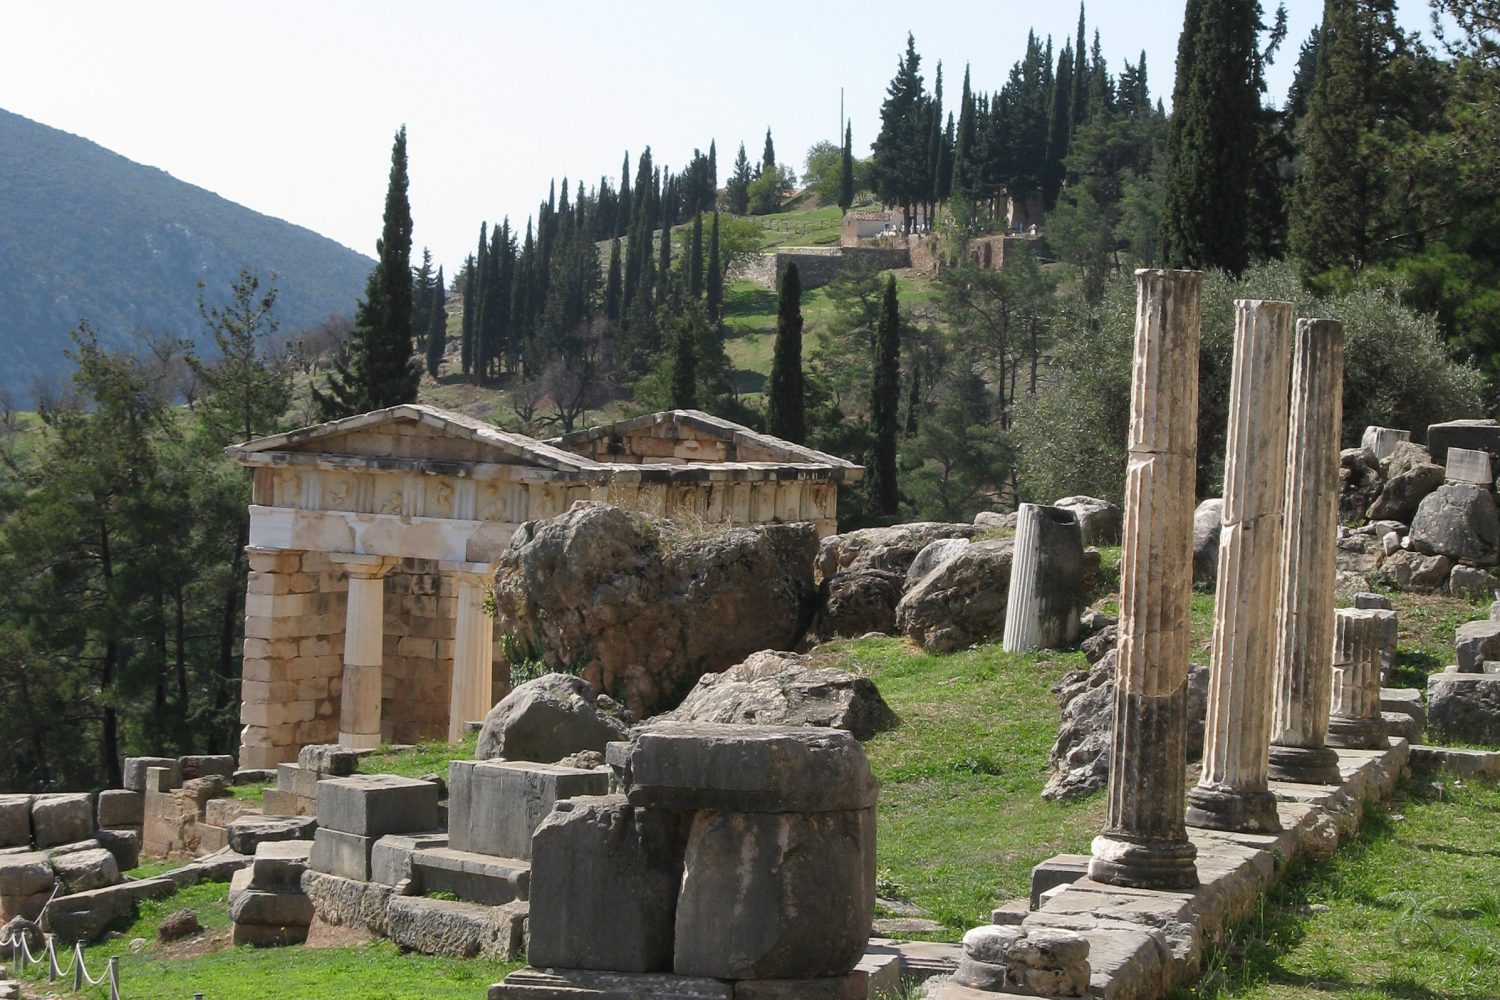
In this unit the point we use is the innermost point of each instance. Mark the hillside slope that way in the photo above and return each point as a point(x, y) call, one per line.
point(88, 234)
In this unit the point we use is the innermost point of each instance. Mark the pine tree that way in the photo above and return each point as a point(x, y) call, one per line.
point(437, 325)
point(846, 170)
point(768, 155)
point(715, 277)
point(885, 404)
point(381, 371)
point(1211, 146)
point(685, 368)
point(737, 190)
point(695, 259)
point(787, 416)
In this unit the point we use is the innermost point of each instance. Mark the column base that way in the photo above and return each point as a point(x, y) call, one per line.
point(359, 741)
point(1145, 864)
point(1305, 765)
point(1222, 808)
point(1357, 734)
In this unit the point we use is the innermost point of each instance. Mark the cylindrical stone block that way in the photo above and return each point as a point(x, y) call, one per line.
point(1356, 722)
point(1382, 440)
point(1232, 793)
point(1046, 580)
point(1145, 841)
point(1304, 621)
point(473, 651)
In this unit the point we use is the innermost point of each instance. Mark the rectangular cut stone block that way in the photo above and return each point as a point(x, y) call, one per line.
point(1473, 435)
point(854, 986)
point(297, 780)
point(743, 768)
point(776, 895)
point(135, 772)
point(390, 861)
point(121, 807)
point(605, 878)
point(279, 803)
point(62, 818)
point(478, 878)
point(328, 759)
point(279, 864)
point(15, 820)
point(202, 765)
point(1063, 869)
point(270, 909)
point(344, 854)
point(494, 806)
point(459, 929)
point(373, 805)
point(585, 984)
point(25, 875)
point(1468, 466)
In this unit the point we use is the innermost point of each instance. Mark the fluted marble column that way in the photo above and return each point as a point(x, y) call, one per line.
point(473, 656)
point(1356, 722)
point(1046, 580)
point(1145, 842)
point(1232, 793)
point(364, 648)
point(1304, 622)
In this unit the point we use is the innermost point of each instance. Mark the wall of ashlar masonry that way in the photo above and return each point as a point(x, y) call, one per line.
point(421, 603)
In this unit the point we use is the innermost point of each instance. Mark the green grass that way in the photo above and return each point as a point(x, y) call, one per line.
point(1408, 911)
point(1427, 623)
point(429, 757)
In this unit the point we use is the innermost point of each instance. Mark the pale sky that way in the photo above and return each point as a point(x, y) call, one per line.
point(289, 108)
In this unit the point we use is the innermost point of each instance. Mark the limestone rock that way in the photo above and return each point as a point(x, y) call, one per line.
point(346, 902)
point(647, 609)
point(1474, 643)
point(1464, 708)
point(1360, 554)
point(457, 929)
point(1413, 571)
point(25, 874)
point(1207, 522)
point(1100, 520)
point(328, 760)
point(1359, 483)
point(248, 832)
point(1472, 584)
point(61, 818)
point(179, 925)
point(1460, 521)
point(18, 927)
point(1410, 475)
point(933, 555)
point(859, 601)
point(961, 602)
point(891, 549)
point(15, 820)
point(547, 719)
point(787, 689)
point(81, 871)
point(1475, 435)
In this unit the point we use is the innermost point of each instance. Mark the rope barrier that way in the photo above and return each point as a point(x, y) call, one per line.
point(23, 956)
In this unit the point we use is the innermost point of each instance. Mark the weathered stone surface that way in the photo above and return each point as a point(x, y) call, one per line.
point(267, 935)
point(373, 805)
point(25, 874)
point(346, 902)
point(124, 844)
point(604, 886)
point(689, 766)
point(933, 555)
point(1359, 483)
point(1207, 521)
point(1466, 466)
point(787, 689)
point(18, 927)
point(278, 865)
point(294, 779)
point(248, 832)
point(1354, 715)
point(1360, 554)
point(1100, 520)
point(203, 765)
point(1464, 708)
point(84, 916)
point(1472, 584)
point(81, 871)
point(121, 807)
point(179, 925)
point(1045, 595)
point(494, 806)
point(1038, 961)
point(961, 602)
point(626, 595)
point(994, 521)
point(892, 549)
point(1460, 521)
point(1383, 440)
point(390, 858)
point(476, 878)
point(1476, 435)
point(548, 718)
point(136, 767)
point(854, 986)
point(61, 818)
point(328, 760)
point(458, 929)
point(590, 984)
point(1474, 643)
point(15, 820)
point(1368, 600)
point(1409, 475)
point(270, 909)
point(335, 852)
point(1413, 571)
point(776, 895)
point(859, 601)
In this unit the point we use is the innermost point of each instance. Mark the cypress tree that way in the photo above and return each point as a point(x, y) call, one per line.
point(664, 264)
point(437, 326)
point(846, 170)
point(715, 277)
point(612, 289)
point(695, 260)
point(381, 371)
point(624, 208)
point(685, 368)
point(713, 173)
point(885, 403)
point(962, 181)
point(768, 155)
point(421, 298)
point(1059, 130)
point(1081, 79)
point(737, 190)
point(787, 416)
point(466, 330)
point(492, 307)
point(1211, 145)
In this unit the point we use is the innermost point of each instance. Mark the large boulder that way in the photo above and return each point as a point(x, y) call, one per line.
point(787, 689)
point(1410, 475)
point(1207, 524)
point(1358, 553)
point(932, 556)
point(645, 608)
point(1460, 521)
point(1100, 520)
point(549, 718)
point(859, 601)
point(962, 601)
point(1464, 708)
point(891, 549)
point(1359, 483)
point(1413, 571)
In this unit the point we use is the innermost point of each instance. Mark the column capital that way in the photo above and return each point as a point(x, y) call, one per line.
point(362, 566)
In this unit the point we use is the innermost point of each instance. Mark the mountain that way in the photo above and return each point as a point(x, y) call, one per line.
point(88, 234)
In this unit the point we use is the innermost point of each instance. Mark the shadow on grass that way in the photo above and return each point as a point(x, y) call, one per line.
point(750, 302)
point(1412, 667)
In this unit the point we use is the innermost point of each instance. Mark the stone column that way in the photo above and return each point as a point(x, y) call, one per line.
point(1356, 722)
point(1232, 793)
point(473, 655)
point(364, 641)
point(1145, 842)
point(1046, 580)
point(1304, 622)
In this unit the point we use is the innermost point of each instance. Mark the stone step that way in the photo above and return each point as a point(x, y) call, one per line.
point(458, 929)
point(475, 878)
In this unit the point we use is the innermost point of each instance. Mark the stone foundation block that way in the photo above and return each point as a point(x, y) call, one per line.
point(25, 875)
point(61, 818)
point(373, 805)
point(272, 909)
point(279, 803)
point(124, 843)
point(29, 907)
point(854, 986)
point(267, 935)
point(1464, 708)
point(278, 865)
point(494, 806)
point(121, 807)
point(81, 871)
point(1038, 961)
point(390, 859)
point(584, 984)
point(462, 930)
point(1062, 869)
point(248, 832)
point(776, 895)
point(344, 854)
point(202, 765)
point(604, 885)
point(84, 916)
point(766, 769)
point(15, 820)
point(222, 812)
point(297, 780)
point(136, 767)
point(475, 878)
point(346, 902)
point(1474, 642)
point(330, 760)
